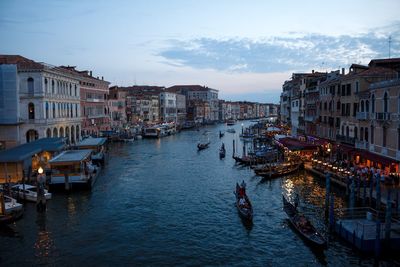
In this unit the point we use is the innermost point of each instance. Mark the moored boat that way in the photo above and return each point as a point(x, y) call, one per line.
point(10, 209)
point(28, 192)
point(278, 170)
point(231, 130)
point(243, 203)
point(303, 225)
point(230, 122)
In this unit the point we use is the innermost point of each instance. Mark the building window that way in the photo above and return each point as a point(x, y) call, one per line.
point(398, 139)
point(31, 111)
point(367, 106)
point(75, 91)
point(48, 133)
point(31, 88)
point(342, 129)
point(385, 102)
point(384, 131)
point(366, 134)
point(372, 134)
point(362, 106)
point(361, 134)
point(348, 89)
point(47, 110)
point(52, 87)
point(347, 131)
point(355, 132)
point(338, 105)
point(373, 104)
point(356, 87)
point(54, 110)
point(46, 85)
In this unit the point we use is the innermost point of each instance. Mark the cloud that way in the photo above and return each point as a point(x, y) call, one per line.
point(295, 52)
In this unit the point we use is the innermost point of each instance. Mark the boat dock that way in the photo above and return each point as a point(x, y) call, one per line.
point(360, 227)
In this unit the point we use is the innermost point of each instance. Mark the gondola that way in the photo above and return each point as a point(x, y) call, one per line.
point(303, 225)
point(278, 171)
point(246, 210)
point(222, 151)
point(201, 146)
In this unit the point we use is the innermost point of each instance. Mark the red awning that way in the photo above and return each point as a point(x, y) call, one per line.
point(294, 144)
point(376, 158)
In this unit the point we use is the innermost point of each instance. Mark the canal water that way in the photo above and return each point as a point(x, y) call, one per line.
point(163, 203)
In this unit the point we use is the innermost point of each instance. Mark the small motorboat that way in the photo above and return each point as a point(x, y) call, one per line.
point(28, 192)
point(243, 203)
point(231, 130)
point(303, 225)
point(12, 209)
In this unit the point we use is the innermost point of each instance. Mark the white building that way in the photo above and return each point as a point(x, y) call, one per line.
point(44, 101)
point(168, 107)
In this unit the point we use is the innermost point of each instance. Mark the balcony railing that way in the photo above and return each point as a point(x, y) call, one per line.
point(345, 139)
point(361, 144)
point(362, 116)
point(382, 116)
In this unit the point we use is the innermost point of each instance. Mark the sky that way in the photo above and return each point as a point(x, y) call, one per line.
point(244, 49)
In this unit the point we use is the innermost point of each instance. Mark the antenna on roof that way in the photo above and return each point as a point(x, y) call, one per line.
point(390, 42)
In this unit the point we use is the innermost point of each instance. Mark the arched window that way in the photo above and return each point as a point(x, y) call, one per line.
point(76, 111)
point(355, 132)
point(366, 134)
point(54, 110)
point(347, 131)
point(71, 110)
point(31, 135)
point(362, 106)
point(46, 85)
point(31, 111)
point(385, 102)
point(73, 134)
point(373, 104)
point(361, 134)
point(31, 88)
point(61, 132)
point(367, 106)
point(55, 132)
point(48, 133)
point(75, 91)
point(342, 129)
point(47, 110)
point(52, 87)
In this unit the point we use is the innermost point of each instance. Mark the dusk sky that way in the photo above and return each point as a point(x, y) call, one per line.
point(245, 49)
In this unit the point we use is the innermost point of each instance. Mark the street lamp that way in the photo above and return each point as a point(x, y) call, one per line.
point(40, 170)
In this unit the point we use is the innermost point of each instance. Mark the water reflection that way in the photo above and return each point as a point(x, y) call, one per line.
point(44, 244)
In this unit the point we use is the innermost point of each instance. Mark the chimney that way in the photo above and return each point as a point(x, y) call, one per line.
point(312, 71)
point(90, 73)
point(342, 71)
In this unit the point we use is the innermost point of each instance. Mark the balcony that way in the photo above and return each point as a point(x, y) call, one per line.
point(309, 118)
point(361, 144)
point(362, 116)
point(382, 116)
point(345, 139)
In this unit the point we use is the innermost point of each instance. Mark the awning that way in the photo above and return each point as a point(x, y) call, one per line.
point(294, 144)
point(376, 158)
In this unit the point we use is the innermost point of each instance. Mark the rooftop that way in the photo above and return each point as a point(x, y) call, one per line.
point(92, 142)
point(71, 156)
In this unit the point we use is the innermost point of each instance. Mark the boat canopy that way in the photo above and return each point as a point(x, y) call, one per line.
point(90, 142)
point(70, 157)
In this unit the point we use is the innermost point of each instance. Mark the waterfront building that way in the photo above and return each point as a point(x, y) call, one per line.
point(94, 102)
point(202, 93)
point(198, 111)
point(117, 106)
point(285, 102)
point(382, 149)
point(168, 107)
point(327, 105)
point(180, 109)
point(142, 108)
point(38, 100)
